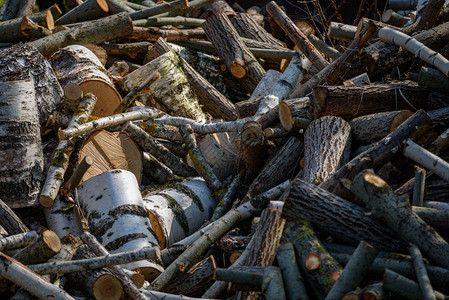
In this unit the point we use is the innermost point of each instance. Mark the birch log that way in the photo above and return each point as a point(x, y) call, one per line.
point(117, 216)
point(327, 145)
point(22, 160)
point(25, 62)
point(60, 161)
point(179, 210)
point(395, 211)
point(17, 240)
point(63, 217)
point(372, 128)
point(171, 89)
point(76, 64)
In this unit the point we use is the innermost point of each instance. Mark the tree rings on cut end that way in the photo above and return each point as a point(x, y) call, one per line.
point(285, 116)
point(108, 287)
point(312, 262)
point(238, 71)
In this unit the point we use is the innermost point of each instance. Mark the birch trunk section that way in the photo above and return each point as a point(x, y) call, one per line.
point(78, 65)
point(122, 223)
point(180, 210)
point(327, 146)
point(22, 159)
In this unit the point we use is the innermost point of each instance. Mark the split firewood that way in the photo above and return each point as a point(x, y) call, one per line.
point(123, 224)
point(93, 32)
point(22, 162)
point(78, 65)
point(375, 189)
point(108, 151)
point(60, 161)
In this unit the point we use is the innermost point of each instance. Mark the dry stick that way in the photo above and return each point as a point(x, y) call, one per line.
point(60, 162)
point(162, 131)
point(419, 186)
point(254, 280)
point(333, 72)
point(94, 32)
point(17, 240)
point(148, 143)
point(175, 21)
point(296, 35)
point(99, 250)
point(78, 174)
point(354, 271)
point(421, 273)
point(152, 34)
point(159, 9)
point(294, 283)
point(426, 159)
point(30, 281)
point(395, 211)
point(62, 267)
point(417, 48)
point(404, 287)
point(324, 48)
point(105, 122)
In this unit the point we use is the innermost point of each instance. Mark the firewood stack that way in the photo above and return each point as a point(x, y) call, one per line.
point(214, 149)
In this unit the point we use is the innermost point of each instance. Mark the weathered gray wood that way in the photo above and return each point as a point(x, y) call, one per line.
point(22, 160)
point(394, 210)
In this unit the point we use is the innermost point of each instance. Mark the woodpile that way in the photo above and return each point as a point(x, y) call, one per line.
point(215, 149)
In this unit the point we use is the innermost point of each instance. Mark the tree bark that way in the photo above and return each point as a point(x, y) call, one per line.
point(341, 31)
point(17, 240)
point(237, 57)
point(78, 65)
point(376, 156)
point(93, 32)
point(354, 101)
point(152, 34)
point(327, 146)
point(159, 9)
point(41, 250)
point(371, 128)
point(22, 162)
point(421, 273)
point(397, 214)
point(88, 10)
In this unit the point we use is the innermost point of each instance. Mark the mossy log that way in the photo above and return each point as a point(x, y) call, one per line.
point(238, 59)
point(320, 269)
point(327, 146)
point(60, 161)
point(22, 159)
point(25, 62)
point(179, 210)
point(171, 89)
point(371, 128)
point(395, 211)
point(123, 224)
point(78, 65)
point(93, 32)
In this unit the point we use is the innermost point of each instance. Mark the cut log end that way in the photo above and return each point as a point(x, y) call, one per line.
point(72, 92)
point(252, 134)
point(49, 20)
point(399, 119)
point(374, 180)
point(52, 240)
point(312, 262)
point(234, 256)
point(149, 273)
point(108, 97)
point(157, 228)
point(285, 116)
point(46, 201)
point(103, 4)
point(238, 71)
point(138, 280)
point(107, 287)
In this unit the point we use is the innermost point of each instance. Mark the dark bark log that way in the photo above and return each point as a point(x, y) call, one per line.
point(237, 57)
point(353, 101)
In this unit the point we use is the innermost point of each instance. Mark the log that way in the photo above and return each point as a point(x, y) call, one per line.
point(16, 30)
point(61, 156)
point(294, 283)
point(354, 271)
point(238, 59)
point(47, 17)
point(9, 221)
point(368, 99)
point(152, 34)
point(171, 89)
point(428, 15)
point(379, 154)
point(78, 174)
point(419, 186)
point(41, 250)
point(250, 279)
point(341, 31)
point(290, 110)
point(28, 280)
point(63, 217)
point(22, 162)
point(78, 65)
point(93, 32)
point(126, 211)
point(218, 7)
point(327, 145)
point(319, 268)
point(9, 9)
point(88, 10)
point(27, 63)
point(395, 212)
point(421, 273)
point(32, 30)
point(324, 48)
point(313, 204)
point(159, 9)
point(296, 35)
point(393, 18)
point(194, 4)
point(371, 128)
point(225, 203)
point(117, 6)
point(17, 240)
point(100, 283)
point(179, 210)
point(110, 150)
